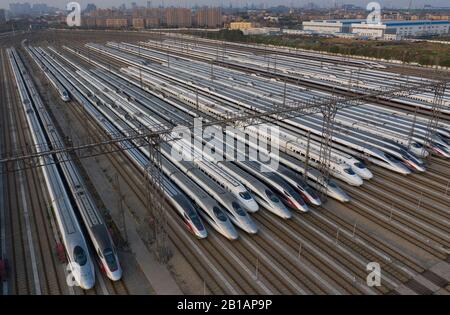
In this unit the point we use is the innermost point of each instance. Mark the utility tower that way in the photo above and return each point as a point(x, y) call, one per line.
point(436, 110)
point(155, 201)
point(328, 112)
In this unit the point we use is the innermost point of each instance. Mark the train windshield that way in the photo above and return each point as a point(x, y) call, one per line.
point(272, 196)
point(360, 165)
point(238, 209)
point(110, 259)
point(245, 195)
point(219, 214)
point(79, 256)
point(311, 192)
point(195, 219)
point(349, 171)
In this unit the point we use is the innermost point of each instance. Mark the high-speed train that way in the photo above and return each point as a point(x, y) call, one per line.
point(184, 207)
point(362, 140)
point(262, 193)
point(231, 205)
point(288, 143)
point(287, 194)
point(53, 79)
point(80, 262)
point(94, 223)
point(223, 149)
point(208, 208)
point(210, 182)
point(218, 174)
point(332, 188)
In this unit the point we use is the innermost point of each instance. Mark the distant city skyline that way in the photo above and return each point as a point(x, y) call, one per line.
point(235, 3)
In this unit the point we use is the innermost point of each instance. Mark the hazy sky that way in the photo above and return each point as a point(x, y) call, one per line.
point(109, 3)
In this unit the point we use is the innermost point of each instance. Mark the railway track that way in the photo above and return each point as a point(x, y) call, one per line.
point(262, 263)
point(403, 279)
point(254, 258)
point(387, 216)
point(270, 73)
point(245, 279)
point(34, 264)
point(423, 197)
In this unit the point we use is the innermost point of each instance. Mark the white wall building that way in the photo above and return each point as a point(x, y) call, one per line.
point(385, 29)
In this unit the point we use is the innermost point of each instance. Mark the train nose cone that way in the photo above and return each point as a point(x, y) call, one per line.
point(356, 180)
point(252, 229)
point(231, 233)
point(302, 208)
point(316, 201)
point(116, 275)
point(87, 282)
point(402, 169)
point(202, 233)
point(364, 173)
point(251, 206)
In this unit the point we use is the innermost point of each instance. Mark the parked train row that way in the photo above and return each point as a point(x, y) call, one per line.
point(270, 189)
point(207, 181)
point(384, 152)
point(347, 77)
point(258, 91)
point(224, 194)
point(65, 184)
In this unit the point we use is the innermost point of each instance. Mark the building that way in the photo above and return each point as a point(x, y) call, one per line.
point(178, 17)
point(17, 9)
point(138, 22)
point(152, 22)
point(2, 16)
point(386, 29)
point(402, 28)
point(241, 25)
point(328, 26)
point(208, 17)
point(117, 23)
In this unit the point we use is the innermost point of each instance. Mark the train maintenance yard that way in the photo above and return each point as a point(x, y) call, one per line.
point(98, 189)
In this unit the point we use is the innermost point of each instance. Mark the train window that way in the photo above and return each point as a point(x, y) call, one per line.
point(219, 214)
point(238, 209)
point(360, 165)
point(331, 184)
point(110, 259)
point(349, 171)
point(79, 256)
point(245, 195)
point(272, 196)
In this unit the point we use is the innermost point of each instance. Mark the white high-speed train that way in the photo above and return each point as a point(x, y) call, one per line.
point(80, 262)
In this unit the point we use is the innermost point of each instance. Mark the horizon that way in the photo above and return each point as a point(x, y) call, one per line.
point(399, 4)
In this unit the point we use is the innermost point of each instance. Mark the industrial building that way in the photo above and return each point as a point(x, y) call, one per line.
point(385, 29)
